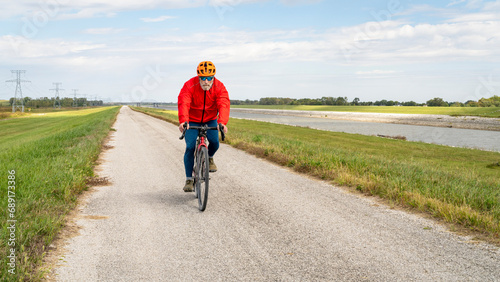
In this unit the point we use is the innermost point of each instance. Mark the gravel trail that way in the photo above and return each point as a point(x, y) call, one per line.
point(262, 223)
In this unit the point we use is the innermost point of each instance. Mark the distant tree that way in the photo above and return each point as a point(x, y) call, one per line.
point(267, 101)
point(327, 101)
point(355, 102)
point(410, 103)
point(315, 102)
point(381, 103)
point(489, 102)
point(457, 104)
point(496, 100)
point(471, 103)
point(341, 101)
point(309, 101)
point(437, 102)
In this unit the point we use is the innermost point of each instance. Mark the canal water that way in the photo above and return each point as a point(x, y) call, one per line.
point(467, 138)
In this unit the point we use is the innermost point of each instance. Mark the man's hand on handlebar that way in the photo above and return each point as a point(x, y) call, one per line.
point(224, 128)
point(183, 126)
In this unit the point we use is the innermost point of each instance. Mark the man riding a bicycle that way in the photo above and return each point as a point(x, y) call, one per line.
point(203, 100)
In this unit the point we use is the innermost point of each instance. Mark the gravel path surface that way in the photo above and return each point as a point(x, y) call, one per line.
point(466, 122)
point(262, 223)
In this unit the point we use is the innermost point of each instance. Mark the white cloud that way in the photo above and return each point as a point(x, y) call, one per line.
point(18, 47)
point(423, 9)
point(300, 2)
point(476, 17)
point(367, 44)
point(470, 4)
point(401, 42)
point(455, 2)
point(495, 5)
point(474, 4)
point(232, 3)
point(489, 11)
point(66, 9)
point(376, 72)
point(158, 19)
point(103, 31)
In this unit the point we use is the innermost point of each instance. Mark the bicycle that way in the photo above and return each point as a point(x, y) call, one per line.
point(201, 164)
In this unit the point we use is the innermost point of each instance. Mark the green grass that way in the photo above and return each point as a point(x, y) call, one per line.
point(453, 111)
point(460, 186)
point(6, 111)
point(53, 156)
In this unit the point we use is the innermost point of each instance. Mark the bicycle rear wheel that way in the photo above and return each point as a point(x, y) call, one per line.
point(203, 178)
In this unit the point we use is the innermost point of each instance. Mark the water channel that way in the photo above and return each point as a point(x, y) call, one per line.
point(468, 138)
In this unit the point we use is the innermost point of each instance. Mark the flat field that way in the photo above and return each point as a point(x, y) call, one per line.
point(46, 161)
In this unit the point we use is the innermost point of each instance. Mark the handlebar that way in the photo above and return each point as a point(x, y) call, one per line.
point(204, 128)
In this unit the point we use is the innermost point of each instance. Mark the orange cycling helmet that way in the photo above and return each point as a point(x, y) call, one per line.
point(206, 68)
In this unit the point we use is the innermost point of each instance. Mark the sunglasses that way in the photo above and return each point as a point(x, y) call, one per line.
point(209, 78)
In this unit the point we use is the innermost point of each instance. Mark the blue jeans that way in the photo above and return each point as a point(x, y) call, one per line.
point(191, 136)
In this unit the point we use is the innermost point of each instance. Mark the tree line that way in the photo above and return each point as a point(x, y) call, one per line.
point(46, 102)
point(343, 101)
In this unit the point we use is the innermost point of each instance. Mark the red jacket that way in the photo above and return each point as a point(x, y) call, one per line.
point(201, 106)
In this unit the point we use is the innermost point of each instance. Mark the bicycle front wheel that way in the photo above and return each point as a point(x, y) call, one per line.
point(203, 178)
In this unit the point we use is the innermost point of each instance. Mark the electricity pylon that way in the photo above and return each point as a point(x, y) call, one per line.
point(74, 99)
point(18, 95)
point(57, 99)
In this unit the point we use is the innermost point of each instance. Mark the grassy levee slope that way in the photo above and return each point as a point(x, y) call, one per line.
point(53, 156)
point(460, 186)
point(492, 112)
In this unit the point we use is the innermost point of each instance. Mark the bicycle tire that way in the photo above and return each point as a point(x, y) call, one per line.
point(203, 178)
point(195, 169)
point(195, 177)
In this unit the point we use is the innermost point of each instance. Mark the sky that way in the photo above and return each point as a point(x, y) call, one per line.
point(133, 51)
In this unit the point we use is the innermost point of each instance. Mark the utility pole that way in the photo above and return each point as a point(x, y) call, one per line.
point(74, 99)
point(57, 99)
point(18, 95)
point(84, 100)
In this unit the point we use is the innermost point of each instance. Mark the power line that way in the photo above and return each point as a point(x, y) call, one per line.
point(18, 95)
point(57, 99)
point(74, 99)
point(35, 91)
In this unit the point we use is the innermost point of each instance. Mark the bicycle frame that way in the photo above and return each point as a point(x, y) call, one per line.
point(199, 143)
